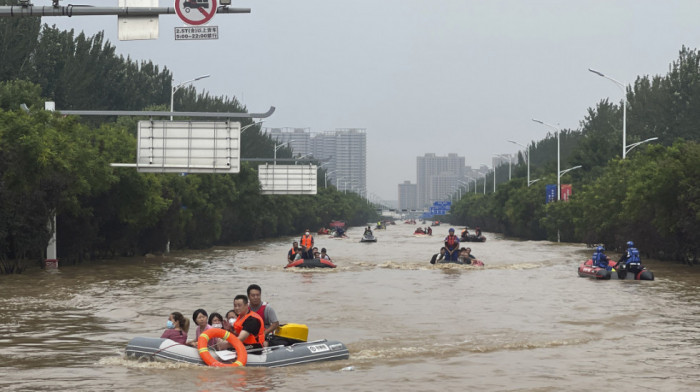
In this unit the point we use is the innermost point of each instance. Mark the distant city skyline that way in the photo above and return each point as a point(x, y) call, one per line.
point(460, 76)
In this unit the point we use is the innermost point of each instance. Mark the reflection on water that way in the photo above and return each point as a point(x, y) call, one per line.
point(525, 321)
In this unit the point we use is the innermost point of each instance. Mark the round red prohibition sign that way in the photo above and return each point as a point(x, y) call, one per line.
point(195, 12)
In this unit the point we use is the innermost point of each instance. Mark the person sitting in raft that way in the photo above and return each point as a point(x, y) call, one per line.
point(419, 231)
point(477, 231)
point(316, 254)
point(451, 246)
point(630, 260)
point(201, 319)
point(368, 231)
point(465, 233)
point(229, 320)
point(438, 256)
point(249, 326)
point(466, 256)
point(294, 253)
point(600, 259)
point(307, 243)
point(216, 320)
point(324, 255)
point(263, 309)
point(178, 326)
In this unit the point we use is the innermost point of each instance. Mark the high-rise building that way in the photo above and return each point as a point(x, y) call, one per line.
point(343, 153)
point(437, 176)
point(298, 139)
point(408, 196)
point(345, 150)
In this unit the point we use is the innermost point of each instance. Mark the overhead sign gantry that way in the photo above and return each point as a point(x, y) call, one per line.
point(138, 19)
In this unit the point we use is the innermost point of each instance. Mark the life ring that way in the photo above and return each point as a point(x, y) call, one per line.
point(203, 343)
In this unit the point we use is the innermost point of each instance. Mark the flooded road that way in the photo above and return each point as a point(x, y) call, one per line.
point(525, 322)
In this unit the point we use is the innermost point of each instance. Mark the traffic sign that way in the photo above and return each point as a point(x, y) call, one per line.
point(195, 12)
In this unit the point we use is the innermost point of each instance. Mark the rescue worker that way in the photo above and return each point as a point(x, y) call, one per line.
point(630, 260)
point(263, 309)
point(600, 259)
point(307, 243)
point(249, 326)
point(451, 246)
point(294, 253)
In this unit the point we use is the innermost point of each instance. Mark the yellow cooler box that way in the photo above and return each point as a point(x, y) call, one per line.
point(293, 332)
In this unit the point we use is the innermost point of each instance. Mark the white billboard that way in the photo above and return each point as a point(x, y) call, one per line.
point(188, 147)
point(288, 179)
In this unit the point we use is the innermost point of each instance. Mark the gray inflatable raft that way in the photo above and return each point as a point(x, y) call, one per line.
point(166, 350)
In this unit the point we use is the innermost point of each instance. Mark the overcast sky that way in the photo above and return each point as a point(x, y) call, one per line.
point(422, 76)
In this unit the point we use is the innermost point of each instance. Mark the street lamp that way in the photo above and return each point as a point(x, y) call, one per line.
point(558, 156)
point(325, 184)
point(527, 156)
point(624, 110)
point(299, 158)
point(250, 125)
point(473, 179)
point(494, 178)
point(569, 169)
point(172, 92)
point(633, 145)
point(277, 148)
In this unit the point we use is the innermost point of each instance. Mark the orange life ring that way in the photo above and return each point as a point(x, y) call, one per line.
point(203, 343)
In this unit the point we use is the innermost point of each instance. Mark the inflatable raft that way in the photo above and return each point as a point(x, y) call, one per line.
point(587, 269)
point(293, 349)
point(474, 262)
point(166, 350)
point(311, 263)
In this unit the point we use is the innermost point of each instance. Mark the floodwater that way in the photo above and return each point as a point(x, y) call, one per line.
point(525, 322)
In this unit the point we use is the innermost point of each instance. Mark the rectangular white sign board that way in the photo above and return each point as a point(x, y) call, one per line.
point(137, 27)
point(196, 32)
point(188, 147)
point(288, 179)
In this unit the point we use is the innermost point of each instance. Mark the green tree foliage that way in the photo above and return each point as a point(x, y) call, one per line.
point(54, 165)
point(651, 197)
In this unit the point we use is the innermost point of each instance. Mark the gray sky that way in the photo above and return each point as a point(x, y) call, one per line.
point(422, 76)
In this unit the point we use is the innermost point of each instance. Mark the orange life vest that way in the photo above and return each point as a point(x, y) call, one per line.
point(451, 241)
point(307, 241)
point(251, 339)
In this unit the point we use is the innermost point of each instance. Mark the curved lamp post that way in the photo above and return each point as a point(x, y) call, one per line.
point(558, 156)
point(633, 145)
point(274, 162)
point(624, 110)
point(325, 184)
point(172, 92)
point(249, 125)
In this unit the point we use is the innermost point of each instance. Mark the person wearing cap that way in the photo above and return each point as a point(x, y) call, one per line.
point(451, 246)
point(294, 253)
point(307, 244)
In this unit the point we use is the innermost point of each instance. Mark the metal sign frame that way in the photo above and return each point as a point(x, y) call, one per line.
point(188, 147)
point(288, 179)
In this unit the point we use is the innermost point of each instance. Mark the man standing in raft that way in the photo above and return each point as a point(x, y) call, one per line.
point(451, 246)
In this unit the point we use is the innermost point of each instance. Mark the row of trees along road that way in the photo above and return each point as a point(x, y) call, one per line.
point(652, 197)
point(50, 164)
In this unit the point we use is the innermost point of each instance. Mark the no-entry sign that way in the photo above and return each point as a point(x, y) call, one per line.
point(195, 12)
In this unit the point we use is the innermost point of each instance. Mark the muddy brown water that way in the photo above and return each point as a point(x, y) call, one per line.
point(525, 322)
